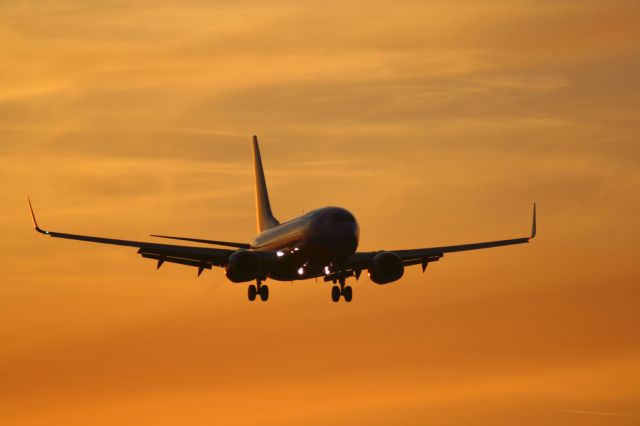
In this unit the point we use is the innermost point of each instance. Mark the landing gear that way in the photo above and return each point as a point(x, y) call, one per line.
point(347, 292)
point(342, 290)
point(335, 293)
point(264, 293)
point(252, 292)
point(258, 290)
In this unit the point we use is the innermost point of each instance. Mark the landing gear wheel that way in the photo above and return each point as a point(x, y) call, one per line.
point(335, 293)
point(252, 292)
point(347, 293)
point(264, 293)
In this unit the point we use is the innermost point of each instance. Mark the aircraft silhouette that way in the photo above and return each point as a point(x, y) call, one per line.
point(320, 243)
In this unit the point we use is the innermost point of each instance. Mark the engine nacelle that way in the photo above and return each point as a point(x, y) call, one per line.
point(243, 266)
point(387, 267)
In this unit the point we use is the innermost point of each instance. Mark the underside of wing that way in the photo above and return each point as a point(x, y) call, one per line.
point(440, 251)
point(424, 256)
point(200, 257)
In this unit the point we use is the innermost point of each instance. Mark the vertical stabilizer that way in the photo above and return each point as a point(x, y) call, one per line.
point(263, 207)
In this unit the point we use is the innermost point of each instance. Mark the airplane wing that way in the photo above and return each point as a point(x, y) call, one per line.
point(200, 257)
point(424, 256)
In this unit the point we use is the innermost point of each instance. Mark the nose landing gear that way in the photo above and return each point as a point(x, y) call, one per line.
point(258, 290)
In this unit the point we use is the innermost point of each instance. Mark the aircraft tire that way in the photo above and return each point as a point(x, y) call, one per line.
point(335, 293)
point(264, 293)
point(252, 292)
point(348, 293)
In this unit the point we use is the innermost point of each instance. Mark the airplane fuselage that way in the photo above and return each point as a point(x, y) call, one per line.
point(307, 245)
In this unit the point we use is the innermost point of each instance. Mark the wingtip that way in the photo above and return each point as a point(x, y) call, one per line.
point(33, 218)
point(533, 226)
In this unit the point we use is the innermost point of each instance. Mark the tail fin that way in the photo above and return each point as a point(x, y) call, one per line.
point(263, 208)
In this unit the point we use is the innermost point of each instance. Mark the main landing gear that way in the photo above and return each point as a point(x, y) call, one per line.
point(342, 290)
point(258, 290)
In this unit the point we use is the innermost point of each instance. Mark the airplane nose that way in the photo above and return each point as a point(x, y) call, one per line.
point(349, 238)
point(338, 238)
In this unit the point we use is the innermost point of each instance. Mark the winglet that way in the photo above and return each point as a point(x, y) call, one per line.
point(533, 226)
point(35, 222)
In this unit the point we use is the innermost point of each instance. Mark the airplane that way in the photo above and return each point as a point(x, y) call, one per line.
point(319, 244)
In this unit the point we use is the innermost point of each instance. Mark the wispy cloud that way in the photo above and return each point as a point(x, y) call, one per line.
point(434, 122)
point(595, 413)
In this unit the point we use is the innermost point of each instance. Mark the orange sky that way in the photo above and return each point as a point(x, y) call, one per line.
point(435, 122)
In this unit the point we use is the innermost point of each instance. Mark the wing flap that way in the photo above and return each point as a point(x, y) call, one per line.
point(161, 258)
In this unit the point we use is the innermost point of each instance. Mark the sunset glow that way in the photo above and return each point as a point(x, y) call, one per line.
point(433, 122)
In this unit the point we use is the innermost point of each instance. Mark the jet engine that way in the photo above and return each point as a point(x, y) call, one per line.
point(243, 266)
point(386, 267)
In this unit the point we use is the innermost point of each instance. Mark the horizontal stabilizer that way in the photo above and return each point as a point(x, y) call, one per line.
point(199, 240)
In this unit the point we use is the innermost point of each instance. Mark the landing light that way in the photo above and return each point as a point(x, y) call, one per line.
point(301, 271)
point(279, 253)
point(327, 271)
